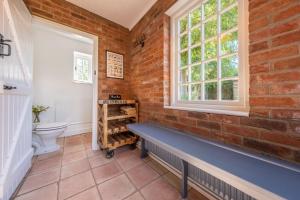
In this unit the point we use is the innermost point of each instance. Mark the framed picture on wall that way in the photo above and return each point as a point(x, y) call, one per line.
point(114, 65)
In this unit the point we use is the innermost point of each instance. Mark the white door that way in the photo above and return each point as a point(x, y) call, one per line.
point(15, 95)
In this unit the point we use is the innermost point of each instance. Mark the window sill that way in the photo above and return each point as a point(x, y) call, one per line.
point(209, 110)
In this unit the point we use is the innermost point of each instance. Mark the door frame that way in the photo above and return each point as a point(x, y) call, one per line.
point(95, 69)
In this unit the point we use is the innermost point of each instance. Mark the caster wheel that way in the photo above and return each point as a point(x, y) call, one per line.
point(110, 153)
point(133, 146)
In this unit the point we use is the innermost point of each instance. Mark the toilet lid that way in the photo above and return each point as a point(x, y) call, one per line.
point(51, 126)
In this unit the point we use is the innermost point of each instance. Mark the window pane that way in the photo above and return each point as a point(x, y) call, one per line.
point(183, 58)
point(210, 8)
point(210, 50)
point(196, 17)
point(184, 75)
point(210, 28)
point(79, 62)
point(229, 43)
point(195, 36)
point(196, 92)
point(184, 92)
point(226, 3)
point(230, 66)
point(211, 70)
point(230, 90)
point(211, 91)
point(229, 19)
point(183, 24)
point(184, 42)
point(196, 54)
point(196, 73)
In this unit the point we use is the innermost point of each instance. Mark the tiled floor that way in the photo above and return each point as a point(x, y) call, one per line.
point(78, 173)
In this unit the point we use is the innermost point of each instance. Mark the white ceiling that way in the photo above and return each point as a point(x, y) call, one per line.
point(124, 12)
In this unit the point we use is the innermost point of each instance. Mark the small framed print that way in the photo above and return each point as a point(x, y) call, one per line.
point(114, 65)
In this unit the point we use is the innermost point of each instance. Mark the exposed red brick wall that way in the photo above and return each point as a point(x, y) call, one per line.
point(111, 37)
point(273, 127)
point(274, 123)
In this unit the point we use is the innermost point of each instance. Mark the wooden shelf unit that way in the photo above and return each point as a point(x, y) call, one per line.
point(112, 124)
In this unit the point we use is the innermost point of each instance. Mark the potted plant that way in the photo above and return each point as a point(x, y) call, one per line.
point(37, 110)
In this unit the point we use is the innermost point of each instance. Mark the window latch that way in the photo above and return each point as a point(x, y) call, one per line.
point(3, 43)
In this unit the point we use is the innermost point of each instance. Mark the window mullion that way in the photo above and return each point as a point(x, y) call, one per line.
point(189, 57)
point(219, 95)
point(202, 54)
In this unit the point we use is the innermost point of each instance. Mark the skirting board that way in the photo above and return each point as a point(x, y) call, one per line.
point(17, 175)
point(76, 128)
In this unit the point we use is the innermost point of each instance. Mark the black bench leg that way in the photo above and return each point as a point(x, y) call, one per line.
point(144, 152)
point(184, 173)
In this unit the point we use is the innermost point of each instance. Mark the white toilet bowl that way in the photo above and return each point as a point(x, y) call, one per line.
point(45, 135)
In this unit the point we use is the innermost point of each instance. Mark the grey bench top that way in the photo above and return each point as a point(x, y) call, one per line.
point(270, 176)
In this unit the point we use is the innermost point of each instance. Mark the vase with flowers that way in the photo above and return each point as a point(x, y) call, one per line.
point(37, 110)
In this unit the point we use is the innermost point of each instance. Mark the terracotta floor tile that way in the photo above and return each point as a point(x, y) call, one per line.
point(116, 189)
point(75, 184)
point(106, 172)
point(157, 167)
point(90, 194)
point(46, 193)
point(135, 196)
point(73, 149)
point(128, 162)
point(73, 157)
point(160, 189)
point(56, 154)
point(40, 166)
point(39, 180)
point(73, 140)
point(98, 161)
point(75, 167)
point(142, 175)
point(92, 153)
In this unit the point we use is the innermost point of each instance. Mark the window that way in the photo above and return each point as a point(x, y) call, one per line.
point(209, 50)
point(82, 72)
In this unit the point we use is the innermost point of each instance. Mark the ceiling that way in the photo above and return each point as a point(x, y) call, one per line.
point(124, 12)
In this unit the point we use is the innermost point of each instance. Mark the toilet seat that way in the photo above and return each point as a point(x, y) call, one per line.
point(50, 126)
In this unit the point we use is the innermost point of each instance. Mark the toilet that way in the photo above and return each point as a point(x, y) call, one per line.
point(44, 136)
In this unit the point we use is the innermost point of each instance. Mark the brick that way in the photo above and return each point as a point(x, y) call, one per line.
point(268, 148)
point(295, 126)
point(275, 101)
point(279, 138)
point(286, 39)
point(209, 125)
point(291, 63)
point(260, 46)
point(264, 123)
point(198, 115)
point(241, 130)
point(276, 77)
point(286, 27)
point(285, 114)
point(290, 12)
point(284, 89)
point(260, 68)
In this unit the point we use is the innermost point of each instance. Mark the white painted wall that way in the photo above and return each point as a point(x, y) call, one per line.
point(53, 79)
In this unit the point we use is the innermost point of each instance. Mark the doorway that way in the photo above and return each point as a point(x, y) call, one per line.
point(62, 77)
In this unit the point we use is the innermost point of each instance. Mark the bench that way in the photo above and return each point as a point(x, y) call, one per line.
point(257, 176)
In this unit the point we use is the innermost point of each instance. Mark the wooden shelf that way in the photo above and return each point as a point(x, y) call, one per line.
point(112, 123)
point(117, 140)
point(121, 116)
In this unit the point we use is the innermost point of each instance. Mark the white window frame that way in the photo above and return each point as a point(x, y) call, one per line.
point(85, 56)
point(239, 107)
